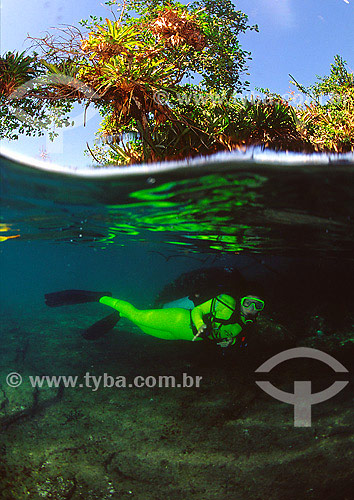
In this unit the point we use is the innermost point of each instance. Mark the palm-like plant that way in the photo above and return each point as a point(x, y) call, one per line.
point(271, 122)
point(124, 69)
point(15, 70)
point(127, 65)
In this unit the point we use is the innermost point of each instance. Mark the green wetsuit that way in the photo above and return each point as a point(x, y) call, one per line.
point(177, 323)
point(220, 307)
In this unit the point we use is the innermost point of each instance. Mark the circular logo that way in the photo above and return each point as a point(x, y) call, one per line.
point(161, 97)
point(14, 379)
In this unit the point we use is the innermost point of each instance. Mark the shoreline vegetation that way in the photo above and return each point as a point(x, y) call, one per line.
point(133, 68)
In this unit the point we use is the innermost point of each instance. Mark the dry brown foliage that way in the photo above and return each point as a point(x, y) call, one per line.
point(175, 28)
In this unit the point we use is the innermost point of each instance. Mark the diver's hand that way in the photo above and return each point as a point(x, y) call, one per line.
point(225, 343)
point(200, 332)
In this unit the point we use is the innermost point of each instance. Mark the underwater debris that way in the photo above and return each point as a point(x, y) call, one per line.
point(36, 408)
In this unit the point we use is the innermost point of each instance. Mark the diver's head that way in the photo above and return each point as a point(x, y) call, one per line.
point(250, 307)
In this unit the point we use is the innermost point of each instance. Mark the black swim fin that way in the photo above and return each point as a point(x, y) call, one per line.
point(68, 297)
point(101, 327)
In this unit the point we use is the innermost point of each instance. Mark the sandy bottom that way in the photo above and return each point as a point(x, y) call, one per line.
point(226, 440)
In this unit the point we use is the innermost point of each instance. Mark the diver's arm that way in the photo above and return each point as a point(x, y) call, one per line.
point(198, 313)
point(197, 317)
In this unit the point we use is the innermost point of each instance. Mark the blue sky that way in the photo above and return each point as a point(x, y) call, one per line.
point(300, 37)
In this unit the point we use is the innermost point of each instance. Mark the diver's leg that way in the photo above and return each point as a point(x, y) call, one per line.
point(169, 324)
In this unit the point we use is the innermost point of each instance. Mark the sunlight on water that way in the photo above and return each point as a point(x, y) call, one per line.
point(171, 239)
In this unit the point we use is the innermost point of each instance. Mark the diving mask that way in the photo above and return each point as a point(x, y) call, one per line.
point(248, 302)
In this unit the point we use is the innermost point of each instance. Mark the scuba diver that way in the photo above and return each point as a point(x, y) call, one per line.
point(220, 319)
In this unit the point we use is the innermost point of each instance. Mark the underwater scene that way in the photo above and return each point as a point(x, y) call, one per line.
point(179, 331)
